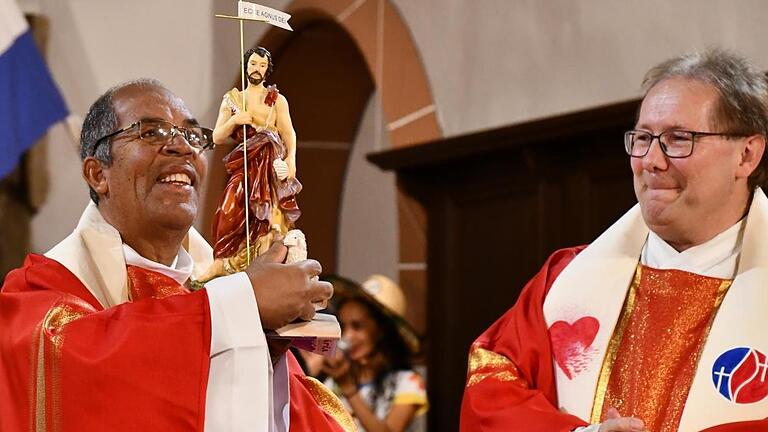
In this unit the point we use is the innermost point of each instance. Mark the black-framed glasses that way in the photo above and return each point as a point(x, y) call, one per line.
point(674, 143)
point(161, 132)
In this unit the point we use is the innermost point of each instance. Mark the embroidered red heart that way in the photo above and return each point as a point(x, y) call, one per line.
point(571, 344)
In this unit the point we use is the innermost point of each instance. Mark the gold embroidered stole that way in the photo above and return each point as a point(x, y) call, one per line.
point(655, 348)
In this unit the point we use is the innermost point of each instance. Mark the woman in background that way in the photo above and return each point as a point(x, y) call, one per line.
point(372, 372)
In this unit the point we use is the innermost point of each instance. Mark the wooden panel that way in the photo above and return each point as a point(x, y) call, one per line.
point(414, 285)
point(15, 216)
point(412, 223)
point(322, 173)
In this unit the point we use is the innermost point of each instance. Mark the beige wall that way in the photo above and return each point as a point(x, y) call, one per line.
point(490, 63)
point(496, 62)
point(368, 232)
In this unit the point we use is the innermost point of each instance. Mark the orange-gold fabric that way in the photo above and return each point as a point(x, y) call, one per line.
point(653, 354)
point(144, 284)
point(484, 364)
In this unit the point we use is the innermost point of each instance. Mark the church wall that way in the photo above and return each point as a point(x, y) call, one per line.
point(499, 62)
point(368, 227)
point(489, 64)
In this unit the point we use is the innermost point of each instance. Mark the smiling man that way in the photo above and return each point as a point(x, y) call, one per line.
point(658, 325)
point(104, 332)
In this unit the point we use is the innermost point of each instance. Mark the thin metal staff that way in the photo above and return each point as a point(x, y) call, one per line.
point(245, 133)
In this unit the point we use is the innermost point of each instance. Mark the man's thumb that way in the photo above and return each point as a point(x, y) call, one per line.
point(275, 254)
point(612, 413)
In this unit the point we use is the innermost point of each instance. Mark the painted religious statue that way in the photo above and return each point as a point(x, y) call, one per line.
point(271, 166)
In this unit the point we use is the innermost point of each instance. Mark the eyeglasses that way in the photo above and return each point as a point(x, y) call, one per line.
point(674, 143)
point(161, 132)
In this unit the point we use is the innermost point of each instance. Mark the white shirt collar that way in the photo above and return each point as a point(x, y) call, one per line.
point(717, 257)
point(180, 270)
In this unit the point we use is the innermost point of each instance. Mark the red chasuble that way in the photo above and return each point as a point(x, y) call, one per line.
point(511, 383)
point(70, 365)
point(67, 364)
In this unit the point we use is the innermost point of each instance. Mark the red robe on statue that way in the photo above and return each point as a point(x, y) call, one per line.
point(68, 364)
point(511, 383)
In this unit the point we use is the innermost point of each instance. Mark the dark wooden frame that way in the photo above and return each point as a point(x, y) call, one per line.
point(498, 203)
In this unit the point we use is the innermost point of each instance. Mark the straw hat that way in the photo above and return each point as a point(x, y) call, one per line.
point(386, 296)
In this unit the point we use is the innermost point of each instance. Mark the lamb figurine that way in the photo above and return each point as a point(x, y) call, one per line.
point(296, 243)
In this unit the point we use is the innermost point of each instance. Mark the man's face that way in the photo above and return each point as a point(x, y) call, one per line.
point(257, 68)
point(680, 197)
point(152, 185)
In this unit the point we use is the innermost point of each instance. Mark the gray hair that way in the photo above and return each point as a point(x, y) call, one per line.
point(101, 120)
point(742, 108)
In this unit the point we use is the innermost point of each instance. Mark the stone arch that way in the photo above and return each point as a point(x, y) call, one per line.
point(373, 49)
point(392, 58)
point(407, 107)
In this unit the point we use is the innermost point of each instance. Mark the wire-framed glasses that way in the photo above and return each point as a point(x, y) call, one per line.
point(161, 132)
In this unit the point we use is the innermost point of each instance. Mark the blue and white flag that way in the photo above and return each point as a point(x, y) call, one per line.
point(29, 100)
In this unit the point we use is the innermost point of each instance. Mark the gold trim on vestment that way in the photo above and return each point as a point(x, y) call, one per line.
point(40, 384)
point(32, 391)
point(50, 330)
point(59, 316)
point(331, 404)
point(484, 364)
point(55, 417)
point(613, 348)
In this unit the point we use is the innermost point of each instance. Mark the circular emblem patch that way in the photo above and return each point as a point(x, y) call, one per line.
point(741, 375)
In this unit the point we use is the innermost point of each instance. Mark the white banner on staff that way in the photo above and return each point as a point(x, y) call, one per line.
point(258, 12)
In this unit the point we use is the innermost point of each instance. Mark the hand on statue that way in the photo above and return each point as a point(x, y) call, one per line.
point(285, 292)
point(617, 423)
point(281, 169)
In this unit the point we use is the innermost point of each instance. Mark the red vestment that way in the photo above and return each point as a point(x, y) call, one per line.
point(68, 364)
point(511, 382)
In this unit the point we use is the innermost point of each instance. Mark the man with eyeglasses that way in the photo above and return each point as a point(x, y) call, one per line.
point(659, 324)
point(106, 332)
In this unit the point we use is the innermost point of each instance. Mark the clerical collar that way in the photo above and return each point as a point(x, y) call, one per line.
point(717, 257)
point(180, 270)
